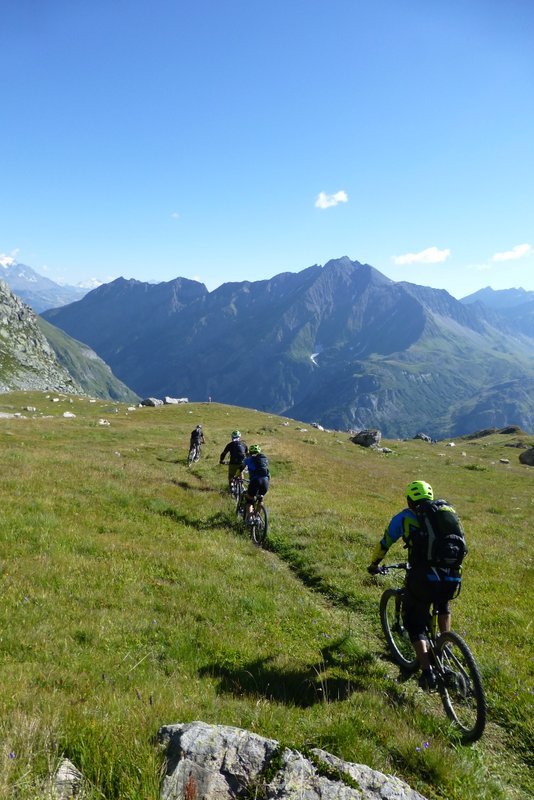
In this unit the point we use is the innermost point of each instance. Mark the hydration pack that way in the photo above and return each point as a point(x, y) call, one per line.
point(237, 452)
point(440, 540)
point(261, 465)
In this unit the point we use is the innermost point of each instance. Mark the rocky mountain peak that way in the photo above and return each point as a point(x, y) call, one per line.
point(27, 360)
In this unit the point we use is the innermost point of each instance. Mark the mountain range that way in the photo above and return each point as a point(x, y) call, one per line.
point(37, 291)
point(339, 344)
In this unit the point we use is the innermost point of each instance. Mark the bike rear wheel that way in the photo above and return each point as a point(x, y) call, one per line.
point(396, 635)
point(259, 524)
point(236, 489)
point(460, 686)
point(191, 456)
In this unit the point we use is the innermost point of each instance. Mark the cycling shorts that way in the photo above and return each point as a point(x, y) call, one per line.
point(234, 471)
point(257, 486)
point(419, 596)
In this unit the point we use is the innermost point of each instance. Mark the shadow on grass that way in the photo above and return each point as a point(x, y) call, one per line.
point(300, 687)
point(218, 520)
point(193, 488)
point(311, 578)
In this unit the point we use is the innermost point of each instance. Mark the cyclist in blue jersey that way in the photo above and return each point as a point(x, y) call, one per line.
point(257, 464)
point(425, 584)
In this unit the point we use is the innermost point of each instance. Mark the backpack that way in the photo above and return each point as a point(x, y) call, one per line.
point(440, 540)
point(261, 466)
point(237, 452)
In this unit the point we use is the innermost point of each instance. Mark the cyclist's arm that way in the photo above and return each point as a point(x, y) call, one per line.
point(398, 528)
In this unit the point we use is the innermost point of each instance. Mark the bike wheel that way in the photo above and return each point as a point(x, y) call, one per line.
point(396, 635)
point(240, 509)
point(191, 457)
point(259, 525)
point(460, 686)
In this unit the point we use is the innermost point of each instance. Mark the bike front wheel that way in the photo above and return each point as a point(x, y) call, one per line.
point(240, 508)
point(259, 524)
point(460, 686)
point(396, 634)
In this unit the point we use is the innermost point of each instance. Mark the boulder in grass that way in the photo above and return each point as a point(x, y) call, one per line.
point(219, 762)
point(367, 438)
point(152, 402)
point(527, 457)
point(423, 436)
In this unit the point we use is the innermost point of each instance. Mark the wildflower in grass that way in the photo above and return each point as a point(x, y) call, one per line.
point(426, 745)
point(417, 749)
point(12, 755)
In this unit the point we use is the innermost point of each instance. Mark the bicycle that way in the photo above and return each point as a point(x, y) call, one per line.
point(457, 675)
point(258, 520)
point(194, 454)
point(237, 486)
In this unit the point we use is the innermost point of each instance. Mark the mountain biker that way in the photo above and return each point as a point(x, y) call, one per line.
point(196, 439)
point(237, 450)
point(258, 469)
point(425, 584)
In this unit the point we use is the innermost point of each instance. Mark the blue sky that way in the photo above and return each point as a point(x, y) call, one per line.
point(229, 140)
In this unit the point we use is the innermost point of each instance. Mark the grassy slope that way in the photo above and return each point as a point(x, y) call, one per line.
point(87, 369)
point(131, 600)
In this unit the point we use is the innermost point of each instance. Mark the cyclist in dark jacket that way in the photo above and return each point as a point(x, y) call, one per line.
point(257, 464)
point(425, 585)
point(237, 450)
point(196, 438)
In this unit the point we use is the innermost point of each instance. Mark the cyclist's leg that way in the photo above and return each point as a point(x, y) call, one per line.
point(446, 593)
point(416, 611)
point(250, 497)
point(231, 474)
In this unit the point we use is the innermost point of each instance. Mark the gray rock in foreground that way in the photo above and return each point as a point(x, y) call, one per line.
point(218, 762)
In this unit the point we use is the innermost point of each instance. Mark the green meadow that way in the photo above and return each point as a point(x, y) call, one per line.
point(131, 599)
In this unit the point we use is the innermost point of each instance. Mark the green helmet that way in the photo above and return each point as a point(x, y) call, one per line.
point(419, 490)
point(236, 434)
point(253, 449)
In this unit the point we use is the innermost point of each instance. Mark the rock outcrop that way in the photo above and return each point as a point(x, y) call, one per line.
point(27, 361)
point(218, 762)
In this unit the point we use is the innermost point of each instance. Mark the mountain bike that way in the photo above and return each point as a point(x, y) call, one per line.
point(258, 520)
point(237, 486)
point(194, 454)
point(457, 675)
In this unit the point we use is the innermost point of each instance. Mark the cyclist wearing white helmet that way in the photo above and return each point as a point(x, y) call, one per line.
point(236, 449)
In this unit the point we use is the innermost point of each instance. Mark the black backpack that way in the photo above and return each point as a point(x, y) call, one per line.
point(440, 540)
point(237, 452)
point(261, 466)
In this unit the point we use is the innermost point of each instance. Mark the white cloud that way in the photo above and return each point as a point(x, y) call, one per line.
point(519, 251)
point(175, 215)
point(329, 200)
point(429, 256)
